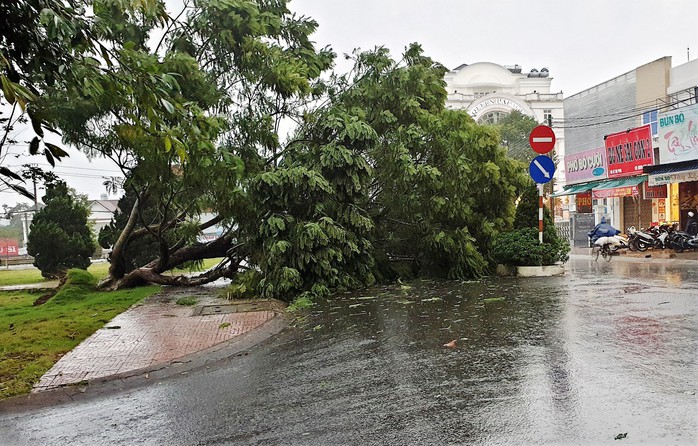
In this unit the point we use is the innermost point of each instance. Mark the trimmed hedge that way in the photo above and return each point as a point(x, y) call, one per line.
point(522, 248)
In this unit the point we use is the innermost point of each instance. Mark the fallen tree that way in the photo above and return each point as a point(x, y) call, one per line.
point(377, 179)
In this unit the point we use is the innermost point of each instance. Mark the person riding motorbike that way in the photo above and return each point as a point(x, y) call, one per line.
point(603, 229)
point(691, 224)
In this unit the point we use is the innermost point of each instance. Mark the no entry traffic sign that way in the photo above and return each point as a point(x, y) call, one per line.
point(542, 139)
point(542, 169)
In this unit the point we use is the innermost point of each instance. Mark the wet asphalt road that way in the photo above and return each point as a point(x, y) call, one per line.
point(610, 348)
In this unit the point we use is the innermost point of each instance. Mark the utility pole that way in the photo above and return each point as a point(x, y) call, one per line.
point(36, 198)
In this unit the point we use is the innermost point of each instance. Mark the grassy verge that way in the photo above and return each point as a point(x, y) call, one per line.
point(99, 270)
point(32, 338)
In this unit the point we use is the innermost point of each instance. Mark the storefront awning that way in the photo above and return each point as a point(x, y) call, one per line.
point(620, 182)
point(572, 189)
point(619, 187)
point(672, 173)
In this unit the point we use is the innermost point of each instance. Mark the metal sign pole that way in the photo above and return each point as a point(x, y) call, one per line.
point(540, 213)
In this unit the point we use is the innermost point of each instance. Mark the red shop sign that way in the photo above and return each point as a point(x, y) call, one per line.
point(583, 202)
point(8, 248)
point(627, 152)
point(654, 191)
point(627, 191)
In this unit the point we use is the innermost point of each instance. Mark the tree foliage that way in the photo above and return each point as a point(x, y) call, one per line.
point(60, 237)
point(514, 129)
point(40, 43)
point(377, 174)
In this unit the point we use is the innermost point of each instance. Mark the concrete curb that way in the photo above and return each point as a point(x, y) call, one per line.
point(46, 286)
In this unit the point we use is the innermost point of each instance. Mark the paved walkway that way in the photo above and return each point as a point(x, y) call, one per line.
point(158, 332)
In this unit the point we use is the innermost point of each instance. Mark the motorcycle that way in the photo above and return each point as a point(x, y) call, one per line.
point(639, 240)
point(607, 246)
point(681, 241)
point(661, 234)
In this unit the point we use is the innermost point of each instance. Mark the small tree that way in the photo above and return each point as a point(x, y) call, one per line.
point(514, 129)
point(521, 247)
point(60, 237)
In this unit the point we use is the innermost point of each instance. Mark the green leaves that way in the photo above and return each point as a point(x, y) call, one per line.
point(168, 105)
point(60, 237)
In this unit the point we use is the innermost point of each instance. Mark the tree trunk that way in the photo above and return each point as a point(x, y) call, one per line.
point(117, 259)
point(153, 272)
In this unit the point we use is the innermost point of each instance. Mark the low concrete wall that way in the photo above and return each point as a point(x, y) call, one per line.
point(540, 271)
point(531, 271)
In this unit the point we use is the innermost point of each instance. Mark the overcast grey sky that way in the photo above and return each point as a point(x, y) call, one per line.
point(582, 43)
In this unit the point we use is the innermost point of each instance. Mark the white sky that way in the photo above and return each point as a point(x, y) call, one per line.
point(582, 43)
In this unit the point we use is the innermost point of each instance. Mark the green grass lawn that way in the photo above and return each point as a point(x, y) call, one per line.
point(33, 338)
point(99, 270)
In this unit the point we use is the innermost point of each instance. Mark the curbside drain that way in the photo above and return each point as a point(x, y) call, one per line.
point(243, 307)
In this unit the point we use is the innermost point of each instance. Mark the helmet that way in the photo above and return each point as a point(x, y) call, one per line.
point(690, 214)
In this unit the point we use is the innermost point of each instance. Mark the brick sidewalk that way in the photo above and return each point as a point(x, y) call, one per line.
point(157, 331)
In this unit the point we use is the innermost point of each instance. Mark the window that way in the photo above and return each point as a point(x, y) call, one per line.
point(492, 118)
point(547, 117)
point(650, 117)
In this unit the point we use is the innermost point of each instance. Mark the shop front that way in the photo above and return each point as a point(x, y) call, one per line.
point(678, 156)
point(583, 171)
point(681, 182)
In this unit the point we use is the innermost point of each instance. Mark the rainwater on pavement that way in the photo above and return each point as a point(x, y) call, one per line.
point(606, 350)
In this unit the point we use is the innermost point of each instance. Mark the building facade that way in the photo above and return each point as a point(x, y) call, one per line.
point(611, 133)
point(677, 169)
point(489, 91)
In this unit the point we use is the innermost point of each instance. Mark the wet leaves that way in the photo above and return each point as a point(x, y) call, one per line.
point(433, 299)
point(493, 299)
point(367, 298)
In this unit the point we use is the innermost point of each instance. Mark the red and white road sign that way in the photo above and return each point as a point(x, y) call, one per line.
point(542, 139)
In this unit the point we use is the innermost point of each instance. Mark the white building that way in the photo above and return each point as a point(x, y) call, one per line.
point(101, 213)
point(488, 91)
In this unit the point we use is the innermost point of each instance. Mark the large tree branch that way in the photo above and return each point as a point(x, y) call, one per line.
point(153, 272)
point(120, 245)
point(149, 275)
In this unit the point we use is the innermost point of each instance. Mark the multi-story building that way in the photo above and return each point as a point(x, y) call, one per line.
point(611, 134)
point(488, 91)
point(676, 173)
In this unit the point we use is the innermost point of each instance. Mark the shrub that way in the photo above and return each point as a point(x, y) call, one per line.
point(60, 237)
point(522, 248)
point(78, 283)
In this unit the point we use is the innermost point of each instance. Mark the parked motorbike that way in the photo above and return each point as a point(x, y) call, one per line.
point(680, 241)
point(639, 240)
point(661, 234)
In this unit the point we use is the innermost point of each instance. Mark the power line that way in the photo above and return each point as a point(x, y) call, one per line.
point(65, 167)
